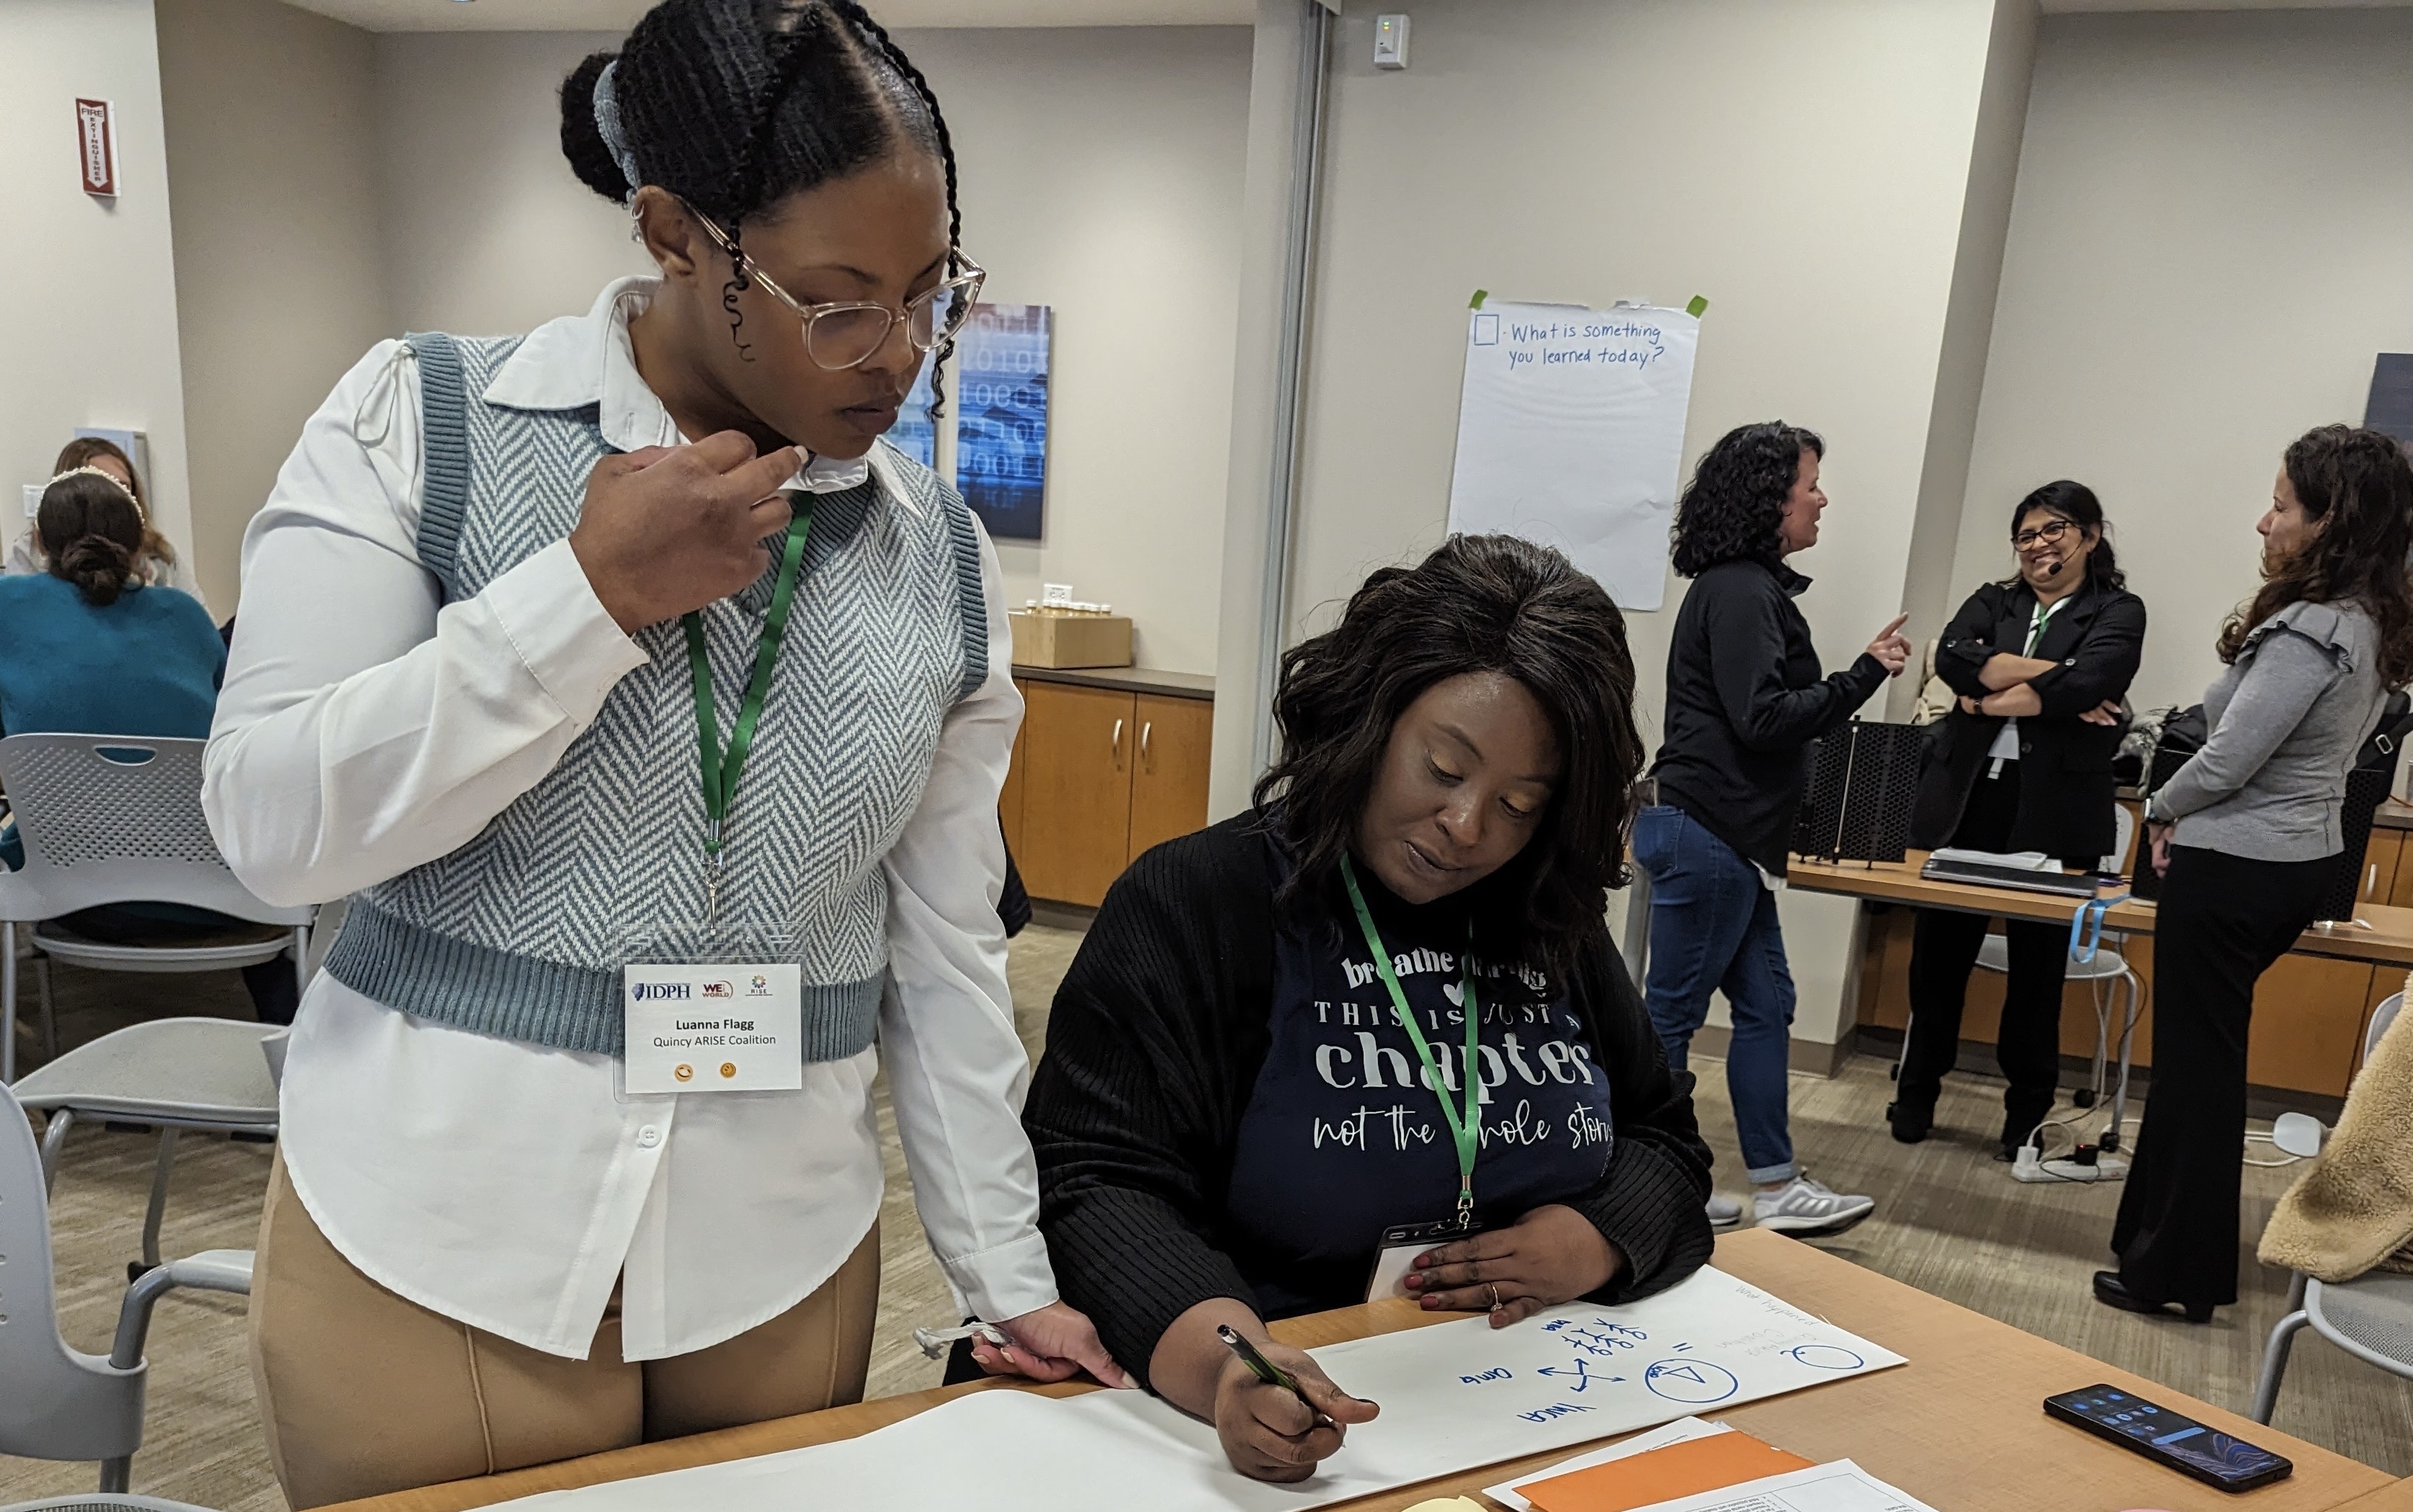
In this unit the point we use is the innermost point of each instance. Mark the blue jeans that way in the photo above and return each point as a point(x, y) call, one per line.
point(1713, 926)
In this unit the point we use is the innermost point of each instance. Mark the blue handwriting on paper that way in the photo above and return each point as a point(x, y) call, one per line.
point(1600, 1338)
point(1556, 1409)
point(1497, 1372)
point(1583, 1376)
point(1589, 340)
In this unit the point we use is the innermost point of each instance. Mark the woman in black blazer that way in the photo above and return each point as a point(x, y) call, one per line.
point(2022, 762)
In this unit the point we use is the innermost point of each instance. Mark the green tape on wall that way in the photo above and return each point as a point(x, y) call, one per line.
point(1696, 306)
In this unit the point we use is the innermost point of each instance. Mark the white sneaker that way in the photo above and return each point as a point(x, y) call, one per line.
point(1724, 1211)
point(1807, 1207)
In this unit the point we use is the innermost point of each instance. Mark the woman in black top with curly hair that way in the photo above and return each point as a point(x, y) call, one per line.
point(1261, 1059)
point(1744, 700)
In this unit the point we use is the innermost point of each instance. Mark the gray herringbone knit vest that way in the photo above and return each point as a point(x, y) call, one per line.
point(521, 932)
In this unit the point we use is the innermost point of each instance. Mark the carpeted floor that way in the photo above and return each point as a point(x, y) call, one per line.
point(1948, 1221)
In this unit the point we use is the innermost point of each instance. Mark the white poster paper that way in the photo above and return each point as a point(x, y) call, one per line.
point(1571, 432)
point(1454, 1396)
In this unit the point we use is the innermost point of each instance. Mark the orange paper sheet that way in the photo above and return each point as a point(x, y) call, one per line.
point(1684, 1469)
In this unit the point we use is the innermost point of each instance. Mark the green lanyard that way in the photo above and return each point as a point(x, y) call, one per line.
point(2038, 618)
point(721, 769)
point(1462, 1129)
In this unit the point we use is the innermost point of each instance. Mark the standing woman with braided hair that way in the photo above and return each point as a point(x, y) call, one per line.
point(504, 602)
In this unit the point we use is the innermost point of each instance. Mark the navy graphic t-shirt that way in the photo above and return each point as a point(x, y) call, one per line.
point(1343, 1135)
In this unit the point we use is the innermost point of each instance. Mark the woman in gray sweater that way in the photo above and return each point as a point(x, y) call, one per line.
point(2247, 833)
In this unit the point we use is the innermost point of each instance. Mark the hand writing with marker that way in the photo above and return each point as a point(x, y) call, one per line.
point(1269, 1433)
point(1552, 1254)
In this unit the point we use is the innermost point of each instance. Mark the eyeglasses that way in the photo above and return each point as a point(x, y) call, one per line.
point(2043, 535)
point(845, 334)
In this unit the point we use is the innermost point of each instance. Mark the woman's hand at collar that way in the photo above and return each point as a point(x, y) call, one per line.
point(1551, 1255)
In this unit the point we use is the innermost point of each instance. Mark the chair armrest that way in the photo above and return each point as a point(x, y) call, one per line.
point(212, 1270)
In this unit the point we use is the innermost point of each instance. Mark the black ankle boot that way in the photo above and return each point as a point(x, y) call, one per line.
point(1910, 1120)
point(2111, 1291)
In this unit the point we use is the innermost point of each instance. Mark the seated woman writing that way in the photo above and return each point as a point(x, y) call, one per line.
point(1386, 998)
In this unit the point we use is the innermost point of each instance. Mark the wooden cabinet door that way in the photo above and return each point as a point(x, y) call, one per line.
point(1077, 790)
point(1168, 794)
point(1009, 799)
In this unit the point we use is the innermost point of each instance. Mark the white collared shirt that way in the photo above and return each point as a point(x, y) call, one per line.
point(367, 727)
point(2007, 740)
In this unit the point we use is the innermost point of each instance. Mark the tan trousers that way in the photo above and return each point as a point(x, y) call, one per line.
point(362, 1392)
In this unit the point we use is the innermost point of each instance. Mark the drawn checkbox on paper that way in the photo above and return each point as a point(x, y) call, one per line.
point(1486, 330)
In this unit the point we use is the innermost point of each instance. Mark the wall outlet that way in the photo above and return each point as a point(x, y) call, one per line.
point(1052, 594)
point(34, 499)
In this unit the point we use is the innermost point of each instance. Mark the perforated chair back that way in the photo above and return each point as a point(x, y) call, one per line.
point(102, 1502)
point(116, 819)
point(2123, 830)
point(2381, 1018)
point(55, 1402)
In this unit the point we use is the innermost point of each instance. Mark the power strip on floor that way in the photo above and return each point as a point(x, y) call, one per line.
point(2030, 1166)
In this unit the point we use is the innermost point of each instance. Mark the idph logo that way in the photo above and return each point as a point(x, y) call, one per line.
point(719, 989)
point(658, 992)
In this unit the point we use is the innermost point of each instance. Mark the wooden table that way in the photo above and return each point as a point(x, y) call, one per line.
point(1961, 1426)
point(2396, 1497)
point(2389, 939)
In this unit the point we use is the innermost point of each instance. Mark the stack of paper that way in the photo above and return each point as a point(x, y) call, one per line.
point(1694, 1466)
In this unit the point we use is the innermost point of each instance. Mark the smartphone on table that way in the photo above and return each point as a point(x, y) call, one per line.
point(2173, 1439)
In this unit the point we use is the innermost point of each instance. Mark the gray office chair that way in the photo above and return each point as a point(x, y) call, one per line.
point(218, 1075)
point(57, 1402)
point(102, 1502)
point(2370, 1317)
point(117, 818)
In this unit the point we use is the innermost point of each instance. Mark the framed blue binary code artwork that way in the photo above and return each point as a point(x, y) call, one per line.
point(1000, 380)
point(914, 434)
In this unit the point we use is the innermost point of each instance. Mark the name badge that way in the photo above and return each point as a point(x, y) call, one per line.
point(712, 1029)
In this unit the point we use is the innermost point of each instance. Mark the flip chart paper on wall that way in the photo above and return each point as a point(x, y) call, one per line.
point(1571, 431)
point(1454, 1396)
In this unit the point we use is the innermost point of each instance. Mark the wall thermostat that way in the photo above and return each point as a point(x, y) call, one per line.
point(1391, 41)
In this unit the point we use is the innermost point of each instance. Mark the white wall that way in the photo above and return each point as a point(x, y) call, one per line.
point(1807, 166)
point(1100, 174)
point(2212, 237)
point(280, 272)
point(88, 309)
point(487, 230)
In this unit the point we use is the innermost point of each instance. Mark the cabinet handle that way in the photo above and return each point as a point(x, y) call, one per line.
point(1116, 745)
point(1148, 727)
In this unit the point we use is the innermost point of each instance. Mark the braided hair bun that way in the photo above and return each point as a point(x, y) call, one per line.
point(732, 104)
point(581, 142)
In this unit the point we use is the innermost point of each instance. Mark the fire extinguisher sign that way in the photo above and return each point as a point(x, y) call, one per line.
point(96, 145)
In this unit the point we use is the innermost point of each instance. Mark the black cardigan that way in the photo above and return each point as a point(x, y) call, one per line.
point(1153, 1049)
point(2066, 791)
point(1744, 700)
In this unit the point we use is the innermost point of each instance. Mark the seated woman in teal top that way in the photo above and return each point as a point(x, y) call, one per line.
point(86, 648)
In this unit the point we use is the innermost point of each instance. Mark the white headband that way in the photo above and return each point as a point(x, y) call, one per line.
point(113, 482)
point(607, 125)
